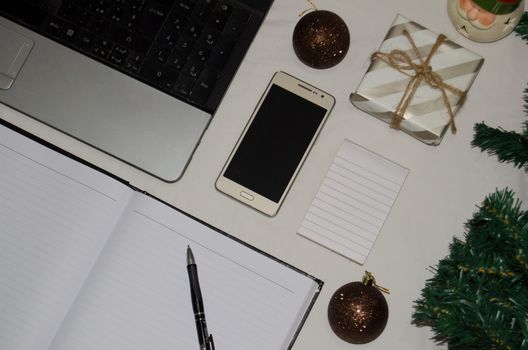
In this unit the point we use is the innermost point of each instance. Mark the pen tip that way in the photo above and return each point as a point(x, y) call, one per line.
point(190, 256)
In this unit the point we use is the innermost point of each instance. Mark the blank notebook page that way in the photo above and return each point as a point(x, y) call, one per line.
point(353, 201)
point(53, 223)
point(138, 297)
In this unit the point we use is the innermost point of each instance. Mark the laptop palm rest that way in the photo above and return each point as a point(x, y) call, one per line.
point(105, 109)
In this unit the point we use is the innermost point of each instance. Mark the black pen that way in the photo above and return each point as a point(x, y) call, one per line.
point(204, 338)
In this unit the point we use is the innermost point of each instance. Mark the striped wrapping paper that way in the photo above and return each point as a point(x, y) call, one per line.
point(382, 87)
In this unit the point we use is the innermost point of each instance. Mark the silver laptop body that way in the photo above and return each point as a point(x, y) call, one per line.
point(96, 104)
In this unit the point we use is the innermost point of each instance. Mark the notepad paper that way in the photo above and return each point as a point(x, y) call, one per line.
point(353, 201)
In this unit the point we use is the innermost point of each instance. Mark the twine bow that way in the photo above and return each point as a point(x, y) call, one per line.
point(418, 72)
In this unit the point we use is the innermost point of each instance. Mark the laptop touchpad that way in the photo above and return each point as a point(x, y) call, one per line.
point(14, 49)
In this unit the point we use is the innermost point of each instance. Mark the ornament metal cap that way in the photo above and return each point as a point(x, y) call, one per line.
point(369, 280)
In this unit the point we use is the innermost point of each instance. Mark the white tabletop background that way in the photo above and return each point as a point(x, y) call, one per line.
point(440, 194)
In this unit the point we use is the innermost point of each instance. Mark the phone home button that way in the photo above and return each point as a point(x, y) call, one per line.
point(247, 195)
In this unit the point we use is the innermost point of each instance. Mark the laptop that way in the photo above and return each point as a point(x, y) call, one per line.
point(137, 79)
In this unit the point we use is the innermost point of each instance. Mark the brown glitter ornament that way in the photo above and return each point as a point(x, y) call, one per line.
point(358, 311)
point(321, 39)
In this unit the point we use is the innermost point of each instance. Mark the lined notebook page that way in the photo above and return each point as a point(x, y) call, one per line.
point(353, 201)
point(55, 215)
point(137, 296)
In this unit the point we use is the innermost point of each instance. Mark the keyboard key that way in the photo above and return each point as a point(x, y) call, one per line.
point(220, 15)
point(177, 60)
point(130, 20)
point(105, 43)
point(184, 7)
point(152, 71)
point(176, 22)
point(149, 25)
point(121, 50)
point(193, 69)
point(201, 53)
point(136, 57)
point(100, 7)
point(159, 74)
point(184, 45)
point(116, 58)
point(171, 76)
point(135, 5)
point(183, 85)
point(100, 51)
point(209, 36)
point(201, 13)
point(168, 38)
point(201, 91)
point(208, 78)
point(132, 67)
point(127, 39)
point(99, 25)
point(160, 53)
point(67, 10)
point(85, 41)
point(53, 25)
point(152, 19)
point(221, 53)
point(115, 14)
point(193, 30)
point(156, 11)
point(69, 33)
point(236, 23)
point(82, 18)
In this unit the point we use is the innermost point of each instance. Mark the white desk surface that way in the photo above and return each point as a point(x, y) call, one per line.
point(440, 194)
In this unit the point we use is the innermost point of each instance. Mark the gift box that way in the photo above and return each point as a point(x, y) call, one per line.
point(417, 81)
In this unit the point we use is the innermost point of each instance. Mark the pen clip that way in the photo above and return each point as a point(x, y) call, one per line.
point(210, 343)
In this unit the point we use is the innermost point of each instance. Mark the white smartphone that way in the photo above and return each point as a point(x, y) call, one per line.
point(275, 143)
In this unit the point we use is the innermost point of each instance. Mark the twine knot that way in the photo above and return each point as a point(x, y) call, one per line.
point(426, 72)
point(418, 72)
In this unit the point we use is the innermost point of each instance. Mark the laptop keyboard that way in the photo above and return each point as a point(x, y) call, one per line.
point(180, 47)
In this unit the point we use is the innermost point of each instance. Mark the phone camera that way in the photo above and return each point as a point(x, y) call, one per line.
point(322, 96)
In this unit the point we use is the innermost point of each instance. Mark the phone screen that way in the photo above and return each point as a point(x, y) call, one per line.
point(275, 143)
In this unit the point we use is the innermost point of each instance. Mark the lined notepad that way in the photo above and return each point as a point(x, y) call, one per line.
point(353, 201)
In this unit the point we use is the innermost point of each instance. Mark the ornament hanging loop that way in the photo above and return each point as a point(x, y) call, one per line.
point(368, 279)
point(313, 8)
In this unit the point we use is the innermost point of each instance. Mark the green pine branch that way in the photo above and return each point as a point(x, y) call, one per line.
point(478, 297)
point(522, 27)
point(508, 146)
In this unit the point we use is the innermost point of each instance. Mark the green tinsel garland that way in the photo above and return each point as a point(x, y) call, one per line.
point(508, 146)
point(522, 27)
point(478, 297)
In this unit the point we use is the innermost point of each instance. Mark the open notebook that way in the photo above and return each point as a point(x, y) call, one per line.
point(87, 262)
